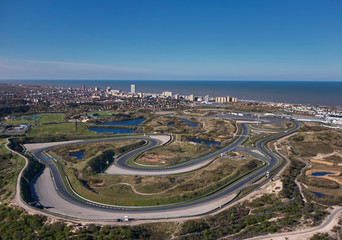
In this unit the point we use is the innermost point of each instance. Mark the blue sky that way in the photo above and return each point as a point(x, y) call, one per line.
point(176, 39)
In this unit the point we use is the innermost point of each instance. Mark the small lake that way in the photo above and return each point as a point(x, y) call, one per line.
point(192, 124)
point(207, 143)
point(318, 194)
point(133, 122)
point(171, 124)
point(113, 130)
point(320, 174)
point(79, 155)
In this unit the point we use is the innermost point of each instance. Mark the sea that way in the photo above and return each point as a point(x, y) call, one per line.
point(326, 93)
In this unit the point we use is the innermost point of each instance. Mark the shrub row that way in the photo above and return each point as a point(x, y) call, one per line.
point(30, 172)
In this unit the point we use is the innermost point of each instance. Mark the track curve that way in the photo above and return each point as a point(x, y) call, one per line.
point(188, 208)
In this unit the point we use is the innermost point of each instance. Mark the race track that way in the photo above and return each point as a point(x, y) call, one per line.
point(50, 190)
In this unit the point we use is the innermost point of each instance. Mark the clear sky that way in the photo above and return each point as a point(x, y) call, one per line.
point(175, 39)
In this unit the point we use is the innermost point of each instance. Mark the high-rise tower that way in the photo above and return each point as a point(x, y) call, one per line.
point(133, 88)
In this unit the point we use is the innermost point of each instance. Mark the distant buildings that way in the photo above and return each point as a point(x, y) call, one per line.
point(225, 99)
point(133, 88)
point(206, 98)
point(167, 94)
point(191, 98)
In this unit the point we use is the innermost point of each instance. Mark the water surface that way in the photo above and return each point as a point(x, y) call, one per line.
point(132, 122)
point(112, 130)
point(318, 194)
point(79, 155)
point(192, 124)
point(320, 174)
point(207, 143)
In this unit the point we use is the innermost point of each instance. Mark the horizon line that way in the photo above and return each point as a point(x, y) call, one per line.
point(221, 80)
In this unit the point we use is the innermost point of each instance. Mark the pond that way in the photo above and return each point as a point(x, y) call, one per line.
point(192, 124)
point(79, 155)
point(320, 174)
point(132, 122)
point(113, 130)
point(320, 195)
point(207, 143)
point(171, 124)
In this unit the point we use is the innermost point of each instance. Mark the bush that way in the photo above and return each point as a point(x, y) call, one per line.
point(99, 163)
point(30, 172)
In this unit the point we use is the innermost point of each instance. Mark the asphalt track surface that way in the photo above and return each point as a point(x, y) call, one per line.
point(272, 161)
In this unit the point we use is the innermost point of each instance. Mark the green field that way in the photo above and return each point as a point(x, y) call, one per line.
point(36, 119)
point(48, 118)
point(67, 129)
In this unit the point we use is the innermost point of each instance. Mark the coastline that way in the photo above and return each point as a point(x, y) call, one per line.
point(313, 93)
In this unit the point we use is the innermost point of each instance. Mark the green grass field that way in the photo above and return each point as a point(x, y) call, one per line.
point(59, 129)
point(48, 118)
point(36, 119)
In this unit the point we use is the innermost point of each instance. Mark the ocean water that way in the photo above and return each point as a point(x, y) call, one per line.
point(302, 92)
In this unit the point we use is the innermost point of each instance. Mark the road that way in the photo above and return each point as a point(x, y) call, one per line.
point(327, 225)
point(51, 192)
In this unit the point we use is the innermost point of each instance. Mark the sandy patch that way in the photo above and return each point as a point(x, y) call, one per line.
point(99, 184)
point(321, 156)
point(322, 162)
point(273, 187)
point(151, 158)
